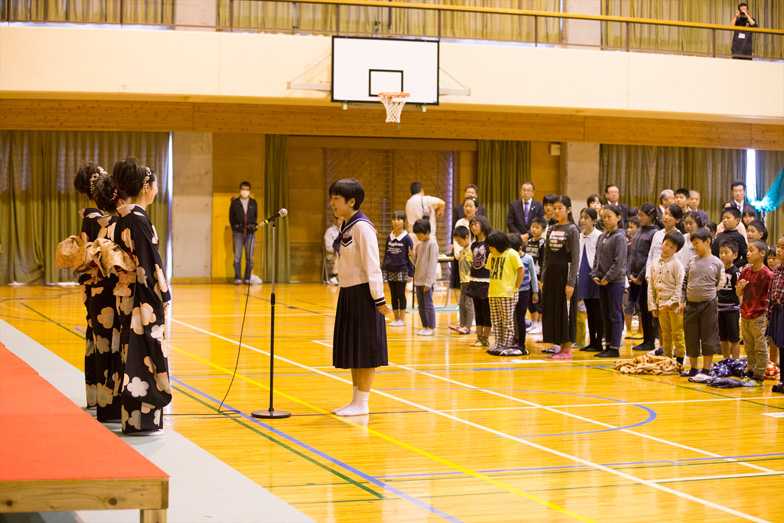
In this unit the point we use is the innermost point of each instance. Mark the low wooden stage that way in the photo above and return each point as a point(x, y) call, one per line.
point(454, 434)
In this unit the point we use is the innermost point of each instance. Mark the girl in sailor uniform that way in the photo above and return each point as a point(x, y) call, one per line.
point(360, 339)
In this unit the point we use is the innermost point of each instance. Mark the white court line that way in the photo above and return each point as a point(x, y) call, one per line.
point(581, 418)
point(504, 434)
point(727, 476)
point(609, 404)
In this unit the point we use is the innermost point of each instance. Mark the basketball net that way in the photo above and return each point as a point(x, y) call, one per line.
point(394, 103)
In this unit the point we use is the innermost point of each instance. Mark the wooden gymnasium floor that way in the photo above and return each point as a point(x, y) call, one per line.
point(455, 434)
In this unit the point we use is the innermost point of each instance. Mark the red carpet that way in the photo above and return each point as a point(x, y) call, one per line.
point(44, 436)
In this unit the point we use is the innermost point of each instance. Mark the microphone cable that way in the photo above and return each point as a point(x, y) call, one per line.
point(239, 349)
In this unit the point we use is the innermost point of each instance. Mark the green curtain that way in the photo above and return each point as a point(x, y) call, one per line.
point(642, 172)
point(38, 204)
point(283, 16)
point(502, 167)
point(768, 14)
point(276, 197)
point(148, 12)
point(770, 168)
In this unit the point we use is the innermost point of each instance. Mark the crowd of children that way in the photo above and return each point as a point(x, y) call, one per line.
point(678, 272)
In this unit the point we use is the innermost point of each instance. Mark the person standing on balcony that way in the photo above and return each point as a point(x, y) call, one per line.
point(741, 40)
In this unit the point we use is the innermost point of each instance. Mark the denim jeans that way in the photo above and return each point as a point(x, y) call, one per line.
point(243, 240)
point(427, 313)
point(611, 300)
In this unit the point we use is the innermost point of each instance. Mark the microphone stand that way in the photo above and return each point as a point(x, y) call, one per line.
point(271, 413)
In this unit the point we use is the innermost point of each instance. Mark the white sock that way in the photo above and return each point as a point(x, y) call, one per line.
point(359, 407)
point(353, 398)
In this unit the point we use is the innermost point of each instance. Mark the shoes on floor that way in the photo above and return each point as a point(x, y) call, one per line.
point(238, 282)
point(591, 348)
point(644, 346)
point(609, 353)
point(750, 382)
point(689, 373)
point(700, 378)
point(397, 323)
point(563, 355)
point(425, 332)
point(552, 350)
point(536, 328)
point(333, 281)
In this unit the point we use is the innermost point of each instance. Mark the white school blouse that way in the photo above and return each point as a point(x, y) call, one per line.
point(358, 260)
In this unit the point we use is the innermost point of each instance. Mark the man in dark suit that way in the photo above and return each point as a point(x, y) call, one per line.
point(738, 199)
point(611, 195)
point(458, 212)
point(523, 211)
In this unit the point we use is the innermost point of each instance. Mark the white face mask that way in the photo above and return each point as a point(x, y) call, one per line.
point(244, 193)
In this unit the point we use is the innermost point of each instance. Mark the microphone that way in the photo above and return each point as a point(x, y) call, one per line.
point(280, 214)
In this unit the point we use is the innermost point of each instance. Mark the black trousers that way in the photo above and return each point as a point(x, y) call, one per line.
point(593, 312)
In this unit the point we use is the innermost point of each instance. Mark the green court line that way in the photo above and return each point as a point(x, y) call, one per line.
point(56, 323)
point(280, 443)
point(683, 387)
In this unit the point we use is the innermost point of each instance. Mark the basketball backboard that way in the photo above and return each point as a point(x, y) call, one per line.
point(363, 67)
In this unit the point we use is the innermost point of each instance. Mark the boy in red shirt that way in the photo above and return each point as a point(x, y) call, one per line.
point(753, 288)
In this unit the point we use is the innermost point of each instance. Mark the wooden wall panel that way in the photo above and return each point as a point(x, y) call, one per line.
point(437, 124)
point(545, 170)
point(674, 133)
point(88, 115)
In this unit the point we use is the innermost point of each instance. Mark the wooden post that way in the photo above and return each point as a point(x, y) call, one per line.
point(627, 36)
point(231, 15)
point(439, 23)
point(337, 19)
point(122, 12)
point(536, 31)
point(713, 37)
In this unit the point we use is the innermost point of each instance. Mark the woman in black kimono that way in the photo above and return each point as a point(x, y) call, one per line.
point(142, 299)
point(83, 182)
point(559, 274)
point(102, 310)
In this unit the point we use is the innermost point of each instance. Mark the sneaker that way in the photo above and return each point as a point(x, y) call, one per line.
point(397, 323)
point(751, 382)
point(477, 343)
point(700, 378)
point(536, 328)
point(334, 281)
point(425, 332)
point(552, 350)
point(689, 373)
point(463, 330)
point(238, 282)
point(778, 388)
point(455, 327)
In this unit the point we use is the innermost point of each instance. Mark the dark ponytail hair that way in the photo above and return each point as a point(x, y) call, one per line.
point(566, 202)
point(650, 210)
point(677, 213)
point(695, 216)
point(83, 175)
point(130, 177)
point(105, 193)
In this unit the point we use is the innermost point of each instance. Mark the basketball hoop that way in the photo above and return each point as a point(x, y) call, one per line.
point(394, 103)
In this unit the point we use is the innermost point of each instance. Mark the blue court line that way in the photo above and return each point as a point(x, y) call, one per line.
point(80, 330)
point(325, 456)
point(734, 457)
point(651, 413)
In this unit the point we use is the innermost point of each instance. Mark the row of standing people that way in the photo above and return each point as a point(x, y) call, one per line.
point(126, 358)
point(602, 284)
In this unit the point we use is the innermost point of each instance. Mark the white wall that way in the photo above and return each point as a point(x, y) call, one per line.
point(82, 62)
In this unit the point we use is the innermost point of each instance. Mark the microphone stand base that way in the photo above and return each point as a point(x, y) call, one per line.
point(270, 414)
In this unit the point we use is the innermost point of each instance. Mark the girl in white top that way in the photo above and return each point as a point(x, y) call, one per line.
point(360, 338)
point(587, 290)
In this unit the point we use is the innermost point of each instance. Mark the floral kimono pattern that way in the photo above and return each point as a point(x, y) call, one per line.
point(144, 386)
point(90, 229)
point(105, 324)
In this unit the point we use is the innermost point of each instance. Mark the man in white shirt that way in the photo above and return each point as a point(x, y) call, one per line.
point(422, 206)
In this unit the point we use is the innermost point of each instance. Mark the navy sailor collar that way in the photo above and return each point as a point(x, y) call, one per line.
point(351, 222)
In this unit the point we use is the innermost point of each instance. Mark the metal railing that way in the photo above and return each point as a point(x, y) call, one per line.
point(440, 32)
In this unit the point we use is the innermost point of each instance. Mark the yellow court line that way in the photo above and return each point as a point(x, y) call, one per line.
point(390, 439)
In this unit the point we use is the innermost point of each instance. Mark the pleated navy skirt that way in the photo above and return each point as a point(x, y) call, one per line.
point(360, 338)
point(775, 330)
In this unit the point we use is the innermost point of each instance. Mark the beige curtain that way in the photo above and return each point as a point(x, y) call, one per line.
point(148, 12)
point(38, 204)
point(284, 16)
point(276, 197)
point(768, 14)
point(642, 172)
point(769, 166)
point(502, 167)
